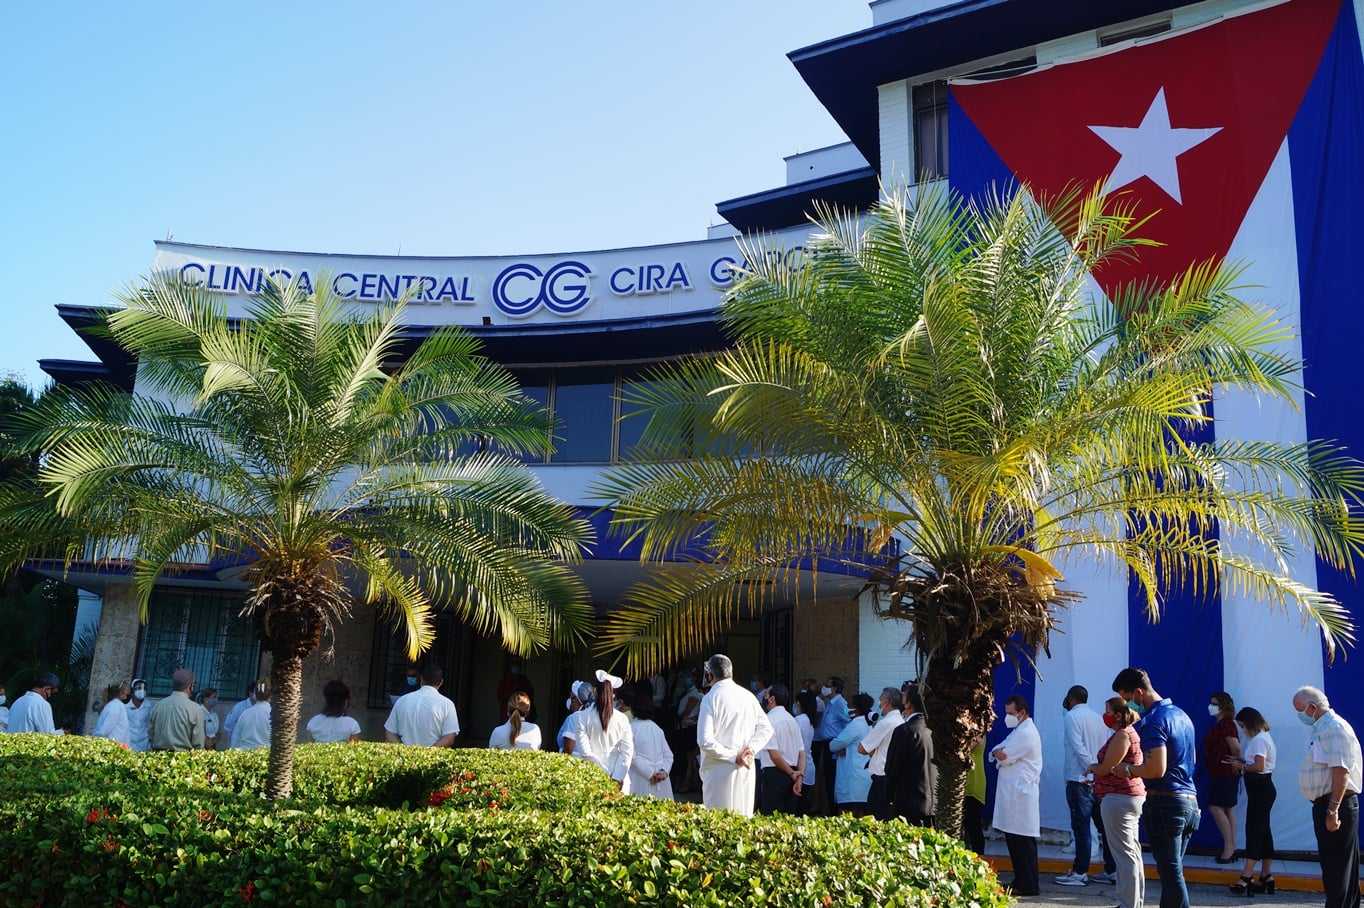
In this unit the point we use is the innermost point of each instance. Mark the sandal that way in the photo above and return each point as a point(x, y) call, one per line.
point(1246, 887)
point(1264, 885)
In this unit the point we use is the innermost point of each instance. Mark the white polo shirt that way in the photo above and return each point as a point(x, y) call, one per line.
point(877, 741)
point(423, 717)
point(785, 739)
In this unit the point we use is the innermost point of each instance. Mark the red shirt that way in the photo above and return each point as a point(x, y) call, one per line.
point(1215, 748)
point(1121, 785)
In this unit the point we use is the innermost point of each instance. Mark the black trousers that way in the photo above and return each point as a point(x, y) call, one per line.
point(774, 792)
point(972, 826)
point(1339, 852)
point(878, 799)
point(825, 769)
point(1260, 795)
point(1023, 855)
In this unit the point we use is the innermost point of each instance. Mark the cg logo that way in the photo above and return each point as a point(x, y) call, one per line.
point(564, 288)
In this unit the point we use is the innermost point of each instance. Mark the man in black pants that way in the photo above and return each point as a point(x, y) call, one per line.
point(910, 774)
point(1330, 778)
point(781, 765)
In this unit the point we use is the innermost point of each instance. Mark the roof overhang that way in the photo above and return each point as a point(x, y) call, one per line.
point(844, 72)
point(792, 205)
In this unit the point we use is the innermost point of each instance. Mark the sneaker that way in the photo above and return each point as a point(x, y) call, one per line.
point(1073, 879)
point(1110, 879)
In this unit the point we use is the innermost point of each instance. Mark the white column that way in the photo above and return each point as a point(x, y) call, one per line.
point(897, 145)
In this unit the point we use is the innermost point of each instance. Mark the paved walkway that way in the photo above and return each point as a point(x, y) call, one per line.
point(1097, 896)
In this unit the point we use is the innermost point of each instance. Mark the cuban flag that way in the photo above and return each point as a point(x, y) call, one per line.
point(1245, 137)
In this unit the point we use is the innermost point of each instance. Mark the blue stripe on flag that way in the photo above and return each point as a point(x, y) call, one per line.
point(1182, 652)
point(1326, 151)
point(975, 170)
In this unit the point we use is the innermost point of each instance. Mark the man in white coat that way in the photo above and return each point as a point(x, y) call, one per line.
point(730, 730)
point(32, 712)
point(1017, 813)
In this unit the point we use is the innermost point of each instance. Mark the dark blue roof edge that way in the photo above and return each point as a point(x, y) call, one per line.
point(797, 189)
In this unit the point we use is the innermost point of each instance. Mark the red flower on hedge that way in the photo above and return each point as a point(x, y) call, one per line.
point(205, 816)
point(96, 814)
point(248, 892)
point(438, 797)
point(109, 846)
point(468, 775)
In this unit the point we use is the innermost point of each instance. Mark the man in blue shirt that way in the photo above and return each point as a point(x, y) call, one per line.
point(832, 721)
point(1168, 749)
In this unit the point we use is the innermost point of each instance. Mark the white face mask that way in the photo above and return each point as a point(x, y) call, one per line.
point(826, 692)
point(139, 694)
point(1214, 710)
point(568, 704)
point(1011, 720)
point(210, 702)
point(2, 699)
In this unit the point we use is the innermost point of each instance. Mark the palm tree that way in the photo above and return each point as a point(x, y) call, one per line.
point(935, 373)
point(313, 448)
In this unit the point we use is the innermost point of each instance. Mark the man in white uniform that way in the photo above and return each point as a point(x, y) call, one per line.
point(4, 711)
point(1017, 812)
point(139, 716)
point(730, 730)
point(425, 717)
point(235, 713)
point(32, 712)
point(1085, 734)
point(781, 764)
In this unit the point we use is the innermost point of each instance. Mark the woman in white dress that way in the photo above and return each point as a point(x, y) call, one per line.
point(652, 766)
point(580, 697)
point(516, 733)
point(852, 778)
point(603, 733)
point(113, 718)
point(334, 725)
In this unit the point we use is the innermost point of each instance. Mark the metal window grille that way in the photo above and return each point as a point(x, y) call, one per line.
point(200, 631)
point(388, 662)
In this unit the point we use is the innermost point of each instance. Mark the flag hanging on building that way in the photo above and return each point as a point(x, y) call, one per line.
point(1243, 138)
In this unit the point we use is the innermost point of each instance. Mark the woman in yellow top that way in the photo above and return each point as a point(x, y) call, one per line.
point(975, 801)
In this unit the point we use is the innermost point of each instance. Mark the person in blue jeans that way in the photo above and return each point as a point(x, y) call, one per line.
point(1169, 750)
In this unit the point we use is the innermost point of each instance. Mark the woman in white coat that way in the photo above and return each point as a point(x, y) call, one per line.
point(852, 776)
point(603, 733)
point(1017, 813)
point(113, 718)
point(652, 766)
point(517, 733)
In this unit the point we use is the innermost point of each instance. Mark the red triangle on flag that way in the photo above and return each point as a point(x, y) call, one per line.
point(1187, 125)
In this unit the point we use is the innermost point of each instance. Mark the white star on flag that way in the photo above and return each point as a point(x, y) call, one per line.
point(1151, 149)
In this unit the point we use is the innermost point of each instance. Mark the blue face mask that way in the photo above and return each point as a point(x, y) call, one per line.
point(1305, 719)
point(411, 682)
point(1136, 707)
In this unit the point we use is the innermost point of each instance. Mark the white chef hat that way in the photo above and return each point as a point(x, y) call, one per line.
point(583, 691)
point(603, 677)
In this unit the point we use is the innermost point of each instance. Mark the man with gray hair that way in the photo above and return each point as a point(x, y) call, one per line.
point(177, 722)
point(730, 730)
point(1330, 779)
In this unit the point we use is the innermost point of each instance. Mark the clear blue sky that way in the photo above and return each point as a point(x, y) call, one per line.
point(439, 128)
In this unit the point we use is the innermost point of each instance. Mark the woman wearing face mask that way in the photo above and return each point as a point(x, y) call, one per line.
point(4, 711)
point(113, 718)
point(852, 779)
point(1017, 808)
point(1121, 799)
point(580, 697)
point(1257, 764)
point(1221, 744)
point(139, 712)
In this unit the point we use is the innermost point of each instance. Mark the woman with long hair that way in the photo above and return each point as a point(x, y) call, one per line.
point(334, 724)
point(1221, 748)
point(517, 733)
point(1257, 765)
point(1121, 799)
point(603, 733)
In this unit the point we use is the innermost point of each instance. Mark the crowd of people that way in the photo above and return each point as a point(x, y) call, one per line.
point(813, 751)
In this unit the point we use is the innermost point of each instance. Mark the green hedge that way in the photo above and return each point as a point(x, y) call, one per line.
point(71, 835)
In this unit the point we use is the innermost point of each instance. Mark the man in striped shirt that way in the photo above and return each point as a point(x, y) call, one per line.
point(1330, 778)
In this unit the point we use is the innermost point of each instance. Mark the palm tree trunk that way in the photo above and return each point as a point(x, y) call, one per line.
point(951, 796)
point(286, 696)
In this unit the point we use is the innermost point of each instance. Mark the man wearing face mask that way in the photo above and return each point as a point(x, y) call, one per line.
point(4, 712)
point(832, 720)
point(1017, 806)
point(247, 701)
point(1330, 778)
point(731, 728)
point(32, 712)
point(1085, 733)
point(1169, 751)
point(139, 717)
point(877, 746)
point(782, 763)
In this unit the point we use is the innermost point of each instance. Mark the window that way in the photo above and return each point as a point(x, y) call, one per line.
point(535, 385)
point(388, 661)
point(202, 632)
point(633, 422)
point(584, 412)
point(930, 130)
point(1109, 37)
